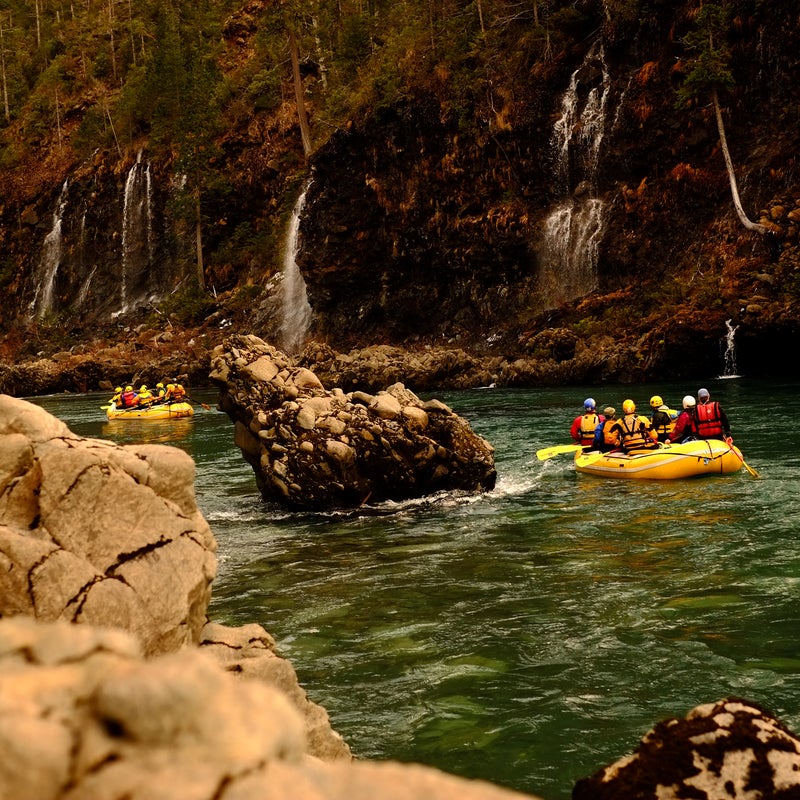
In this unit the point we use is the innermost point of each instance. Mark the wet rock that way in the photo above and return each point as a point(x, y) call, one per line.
point(317, 449)
point(731, 748)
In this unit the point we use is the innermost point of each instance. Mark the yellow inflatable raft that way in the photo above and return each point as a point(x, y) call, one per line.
point(159, 411)
point(700, 457)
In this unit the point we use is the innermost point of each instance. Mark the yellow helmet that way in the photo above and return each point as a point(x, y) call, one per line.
point(656, 400)
point(628, 407)
point(159, 386)
point(118, 389)
point(129, 388)
point(143, 388)
point(170, 386)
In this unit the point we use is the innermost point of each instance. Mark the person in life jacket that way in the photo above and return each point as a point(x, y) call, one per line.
point(633, 431)
point(712, 421)
point(605, 439)
point(116, 399)
point(175, 393)
point(160, 391)
point(686, 427)
point(145, 396)
point(663, 418)
point(129, 398)
point(582, 429)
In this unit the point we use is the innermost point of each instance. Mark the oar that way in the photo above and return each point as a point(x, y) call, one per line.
point(192, 400)
point(744, 463)
point(557, 450)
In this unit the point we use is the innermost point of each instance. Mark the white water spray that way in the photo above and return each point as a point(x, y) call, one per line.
point(729, 370)
point(296, 311)
point(574, 229)
point(51, 259)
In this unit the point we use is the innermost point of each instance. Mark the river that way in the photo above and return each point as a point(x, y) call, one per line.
point(533, 634)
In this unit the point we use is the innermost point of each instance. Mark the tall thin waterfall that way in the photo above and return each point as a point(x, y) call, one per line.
point(50, 259)
point(137, 229)
point(729, 355)
point(295, 308)
point(574, 229)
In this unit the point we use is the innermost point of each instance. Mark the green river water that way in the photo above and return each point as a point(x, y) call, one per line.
point(531, 635)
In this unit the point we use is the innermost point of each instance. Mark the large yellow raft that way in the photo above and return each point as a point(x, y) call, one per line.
point(687, 460)
point(179, 410)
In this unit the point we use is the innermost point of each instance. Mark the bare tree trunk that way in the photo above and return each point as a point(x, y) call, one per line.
point(38, 24)
point(737, 203)
point(302, 116)
point(480, 16)
point(198, 240)
point(6, 108)
point(111, 38)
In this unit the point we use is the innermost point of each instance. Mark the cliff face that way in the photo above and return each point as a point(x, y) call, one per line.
point(567, 192)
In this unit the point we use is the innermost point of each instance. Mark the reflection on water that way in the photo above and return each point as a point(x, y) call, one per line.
point(530, 635)
point(176, 431)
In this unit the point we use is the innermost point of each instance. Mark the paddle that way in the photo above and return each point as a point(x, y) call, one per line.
point(204, 405)
point(557, 450)
point(744, 463)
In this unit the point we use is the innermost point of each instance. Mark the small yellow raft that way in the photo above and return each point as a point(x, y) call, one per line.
point(687, 460)
point(159, 411)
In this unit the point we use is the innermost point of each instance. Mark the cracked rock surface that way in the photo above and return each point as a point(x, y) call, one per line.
point(315, 449)
point(100, 533)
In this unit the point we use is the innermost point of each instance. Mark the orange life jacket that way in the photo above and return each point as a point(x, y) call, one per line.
point(634, 432)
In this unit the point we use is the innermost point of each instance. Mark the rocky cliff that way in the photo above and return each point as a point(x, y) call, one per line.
point(563, 191)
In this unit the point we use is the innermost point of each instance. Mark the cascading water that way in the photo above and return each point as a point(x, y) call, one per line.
point(295, 308)
point(729, 356)
point(50, 260)
point(573, 230)
point(137, 232)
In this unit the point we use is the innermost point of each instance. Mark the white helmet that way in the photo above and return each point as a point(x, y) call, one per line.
point(689, 402)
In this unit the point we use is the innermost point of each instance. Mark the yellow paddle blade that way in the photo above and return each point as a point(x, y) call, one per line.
point(557, 450)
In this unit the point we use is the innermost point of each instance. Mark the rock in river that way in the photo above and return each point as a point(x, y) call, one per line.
point(317, 449)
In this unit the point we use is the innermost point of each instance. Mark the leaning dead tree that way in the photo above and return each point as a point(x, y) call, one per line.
point(708, 74)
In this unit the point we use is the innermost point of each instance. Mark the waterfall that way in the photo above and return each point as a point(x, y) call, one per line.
point(574, 228)
point(50, 259)
point(729, 356)
point(295, 309)
point(137, 231)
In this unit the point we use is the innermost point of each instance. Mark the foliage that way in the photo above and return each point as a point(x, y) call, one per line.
point(710, 61)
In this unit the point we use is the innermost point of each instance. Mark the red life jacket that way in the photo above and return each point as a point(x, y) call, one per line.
point(709, 424)
point(129, 399)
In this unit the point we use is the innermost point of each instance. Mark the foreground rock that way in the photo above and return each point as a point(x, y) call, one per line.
point(729, 749)
point(317, 449)
point(111, 536)
point(97, 533)
point(84, 717)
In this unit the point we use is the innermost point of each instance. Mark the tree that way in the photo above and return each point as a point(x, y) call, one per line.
point(710, 74)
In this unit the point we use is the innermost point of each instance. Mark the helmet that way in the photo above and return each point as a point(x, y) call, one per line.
point(159, 386)
point(143, 388)
point(589, 404)
point(688, 401)
point(609, 412)
point(628, 407)
point(118, 389)
point(129, 388)
point(703, 395)
point(170, 386)
point(656, 400)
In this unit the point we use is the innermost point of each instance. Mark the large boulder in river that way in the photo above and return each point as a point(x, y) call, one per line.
point(317, 449)
point(99, 533)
